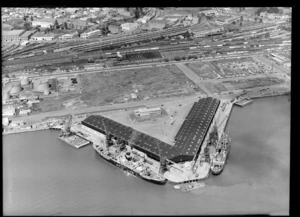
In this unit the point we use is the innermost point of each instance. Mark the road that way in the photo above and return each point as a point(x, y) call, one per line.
point(93, 109)
point(192, 76)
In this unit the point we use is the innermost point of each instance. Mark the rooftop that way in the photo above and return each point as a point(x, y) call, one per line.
point(13, 32)
point(189, 137)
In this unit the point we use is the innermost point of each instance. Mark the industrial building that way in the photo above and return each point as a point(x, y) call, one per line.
point(12, 36)
point(146, 112)
point(189, 138)
point(69, 36)
point(86, 35)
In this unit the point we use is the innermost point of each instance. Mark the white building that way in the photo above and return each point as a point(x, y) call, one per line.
point(42, 37)
point(129, 26)
point(25, 111)
point(86, 35)
point(9, 111)
point(5, 121)
point(146, 112)
point(68, 36)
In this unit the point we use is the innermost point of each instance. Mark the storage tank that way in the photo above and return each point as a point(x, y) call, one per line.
point(40, 85)
point(6, 95)
point(16, 88)
point(25, 81)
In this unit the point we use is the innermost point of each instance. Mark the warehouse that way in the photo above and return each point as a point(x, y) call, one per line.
point(188, 140)
point(12, 36)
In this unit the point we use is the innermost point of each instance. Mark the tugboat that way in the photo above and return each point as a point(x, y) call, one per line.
point(189, 186)
point(221, 155)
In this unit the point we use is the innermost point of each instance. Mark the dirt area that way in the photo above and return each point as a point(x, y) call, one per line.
point(117, 86)
point(251, 83)
point(204, 70)
point(215, 87)
point(165, 127)
point(68, 97)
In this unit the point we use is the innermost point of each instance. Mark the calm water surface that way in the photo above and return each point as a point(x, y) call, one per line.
point(44, 176)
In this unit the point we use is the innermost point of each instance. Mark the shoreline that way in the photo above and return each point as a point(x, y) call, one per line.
point(82, 113)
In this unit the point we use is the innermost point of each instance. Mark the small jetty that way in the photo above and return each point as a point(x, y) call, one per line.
point(74, 140)
point(243, 101)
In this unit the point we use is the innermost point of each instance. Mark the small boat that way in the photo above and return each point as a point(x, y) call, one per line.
point(189, 186)
point(177, 187)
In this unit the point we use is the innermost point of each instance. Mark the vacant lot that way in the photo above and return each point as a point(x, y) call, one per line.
point(216, 87)
point(251, 83)
point(204, 70)
point(116, 87)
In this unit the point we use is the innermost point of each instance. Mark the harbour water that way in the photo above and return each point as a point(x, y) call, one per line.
point(44, 176)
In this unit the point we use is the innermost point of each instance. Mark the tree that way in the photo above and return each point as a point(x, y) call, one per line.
point(166, 59)
point(56, 24)
point(27, 26)
point(233, 22)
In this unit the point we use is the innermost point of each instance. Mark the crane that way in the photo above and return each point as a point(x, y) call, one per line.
point(66, 130)
point(106, 134)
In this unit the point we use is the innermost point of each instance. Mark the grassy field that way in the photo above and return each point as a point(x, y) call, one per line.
point(204, 70)
point(113, 87)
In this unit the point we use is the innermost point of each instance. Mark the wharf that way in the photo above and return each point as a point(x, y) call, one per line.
point(243, 101)
point(74, 140)
point(182, 173)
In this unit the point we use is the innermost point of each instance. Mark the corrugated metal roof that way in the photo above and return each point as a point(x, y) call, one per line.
point(189, 137)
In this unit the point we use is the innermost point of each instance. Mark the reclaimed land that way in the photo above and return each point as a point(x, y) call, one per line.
point(149, 83)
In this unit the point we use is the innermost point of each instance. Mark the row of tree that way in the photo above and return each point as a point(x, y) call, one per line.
point(178, 58)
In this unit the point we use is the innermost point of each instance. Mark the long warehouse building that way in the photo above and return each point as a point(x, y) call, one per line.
point(189, 138)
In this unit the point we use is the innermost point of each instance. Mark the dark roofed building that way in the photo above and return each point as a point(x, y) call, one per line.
point(188, 139)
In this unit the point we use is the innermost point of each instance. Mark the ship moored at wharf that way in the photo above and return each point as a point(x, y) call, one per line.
point(149, 158)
